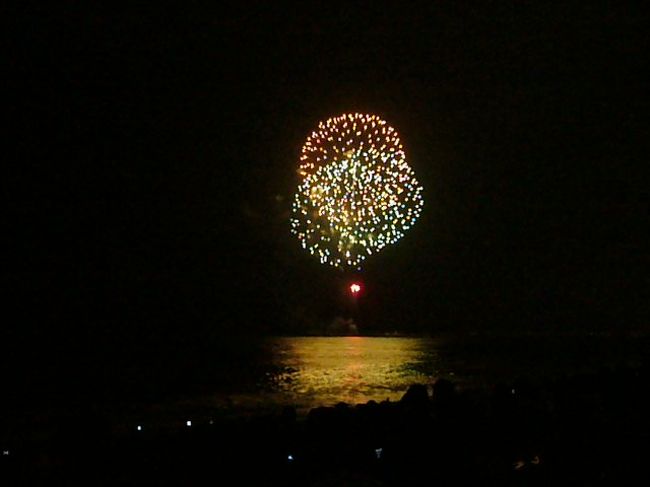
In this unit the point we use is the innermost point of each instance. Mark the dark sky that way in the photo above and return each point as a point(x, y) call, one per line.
point(152, 156)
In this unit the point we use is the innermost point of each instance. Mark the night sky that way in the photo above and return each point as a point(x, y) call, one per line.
point(152, 153)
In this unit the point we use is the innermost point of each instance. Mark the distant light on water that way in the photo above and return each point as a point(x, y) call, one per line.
point(322, 371)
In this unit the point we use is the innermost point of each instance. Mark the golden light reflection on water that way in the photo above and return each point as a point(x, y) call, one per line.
point(316, 371)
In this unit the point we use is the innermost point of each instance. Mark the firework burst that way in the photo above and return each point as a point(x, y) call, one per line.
point(357, 193)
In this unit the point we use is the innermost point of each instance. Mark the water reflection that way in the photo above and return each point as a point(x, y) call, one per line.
point(308, 372)
point(312, 371)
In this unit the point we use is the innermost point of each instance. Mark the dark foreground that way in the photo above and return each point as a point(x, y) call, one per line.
point(582, 430)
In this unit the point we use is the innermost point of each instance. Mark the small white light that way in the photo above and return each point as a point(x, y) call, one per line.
point(211, 422)
point(188, 423)
point(512, 392)
point(378, 452)
point(5, 453)
point(290, 458)
point(139, 428)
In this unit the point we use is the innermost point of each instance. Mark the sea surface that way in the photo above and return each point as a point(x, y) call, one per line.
point(307, 372)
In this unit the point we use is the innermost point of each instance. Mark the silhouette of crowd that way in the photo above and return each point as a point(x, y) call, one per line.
point(575, 430)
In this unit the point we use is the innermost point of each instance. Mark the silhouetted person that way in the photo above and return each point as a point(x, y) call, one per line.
point(416, 400)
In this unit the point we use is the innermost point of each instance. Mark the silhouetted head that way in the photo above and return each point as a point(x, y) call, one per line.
point(416, 395)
